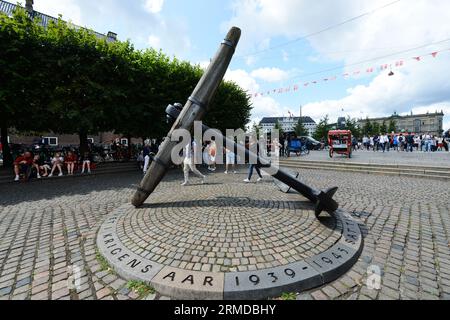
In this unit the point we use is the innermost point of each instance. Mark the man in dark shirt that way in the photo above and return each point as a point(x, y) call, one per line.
point(23, 165)
point(410, 142)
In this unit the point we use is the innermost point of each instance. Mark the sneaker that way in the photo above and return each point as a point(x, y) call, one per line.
point(259, 179)
point(60, 175)
point(82, 172)
point(226, 172)
point(184, 184)
point(17, 178)
point(234, 172)
point(38, 176)
point(50, 175)
point(246, 181)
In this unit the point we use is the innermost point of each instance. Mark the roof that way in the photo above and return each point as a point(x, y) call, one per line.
point(396, 116)
point(8, 8)
point(270, 120)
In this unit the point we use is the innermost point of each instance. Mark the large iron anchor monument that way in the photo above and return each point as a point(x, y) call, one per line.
point(194, 110)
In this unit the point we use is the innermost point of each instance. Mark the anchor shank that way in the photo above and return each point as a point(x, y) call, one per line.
point(308, 192)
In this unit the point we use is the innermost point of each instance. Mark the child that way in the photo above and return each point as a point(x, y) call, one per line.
point(212, 154)
point(86, 162)
point(57, 162)
point(70, 162)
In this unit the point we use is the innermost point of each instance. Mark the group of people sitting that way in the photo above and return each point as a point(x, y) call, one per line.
point(29, 165)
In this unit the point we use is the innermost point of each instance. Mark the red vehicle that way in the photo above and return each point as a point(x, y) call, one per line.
point(340, 142)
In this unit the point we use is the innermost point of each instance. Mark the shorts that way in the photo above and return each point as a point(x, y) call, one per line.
point(230, 158)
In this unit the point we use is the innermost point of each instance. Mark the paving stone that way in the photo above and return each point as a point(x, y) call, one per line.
point(397, 236)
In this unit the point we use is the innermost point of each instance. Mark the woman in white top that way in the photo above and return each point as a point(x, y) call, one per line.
point(189, 163)
point(57, 162)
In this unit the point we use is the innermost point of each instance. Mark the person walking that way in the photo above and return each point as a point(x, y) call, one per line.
point(384, 140)
point(427, 141)
point(146, 154)
point(409, 142)
point(253, 166)
point(230, 158)
point(189, 163)
point(395, 142)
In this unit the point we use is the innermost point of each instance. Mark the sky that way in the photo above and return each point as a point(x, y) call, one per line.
point(288, 43)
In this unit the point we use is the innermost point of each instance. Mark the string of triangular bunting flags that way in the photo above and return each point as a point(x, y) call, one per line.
point(382, 67)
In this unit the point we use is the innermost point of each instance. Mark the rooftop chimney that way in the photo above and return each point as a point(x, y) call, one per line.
point(112, 36)
point(29, 6)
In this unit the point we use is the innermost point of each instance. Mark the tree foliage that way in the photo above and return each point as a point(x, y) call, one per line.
point(67, 80)
point(322, 129)
point(392, 125)
point(352, 125)
point(300, 129)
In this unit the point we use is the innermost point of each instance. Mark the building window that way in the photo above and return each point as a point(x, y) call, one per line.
point(124, 141)
point(417, 125)
point(51, 141)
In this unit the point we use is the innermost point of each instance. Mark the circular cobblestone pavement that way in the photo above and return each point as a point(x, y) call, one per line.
point(47, 226)
point(223, 230)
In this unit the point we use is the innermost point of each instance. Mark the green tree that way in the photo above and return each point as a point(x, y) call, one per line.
point(23, 90)
point(352, 125)
point(322, 129)
point(392, 125)
point(375, 128)
point(383, 127)
point(279, 128)
point(67, 80)
point(300, 129)
point(256, 129)
point(368, 127)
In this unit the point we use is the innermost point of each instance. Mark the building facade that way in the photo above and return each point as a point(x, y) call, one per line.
point(419, 123)
point(61, 140)
point(288, 124)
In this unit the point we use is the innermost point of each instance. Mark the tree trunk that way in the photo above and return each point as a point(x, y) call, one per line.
point(83, 143)
point(7, 157)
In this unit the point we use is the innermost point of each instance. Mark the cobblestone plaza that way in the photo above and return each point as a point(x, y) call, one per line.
point(50, 226)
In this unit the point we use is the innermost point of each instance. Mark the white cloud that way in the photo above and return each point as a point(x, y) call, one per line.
point(402, 26)
point(153, 6)
point(172, 38)
point(270, 74)
point(154, 41)
point(410, 89)
point(262, 106)
point(243, 79)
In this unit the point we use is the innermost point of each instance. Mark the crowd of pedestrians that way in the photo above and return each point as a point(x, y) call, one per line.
point(404, 142)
